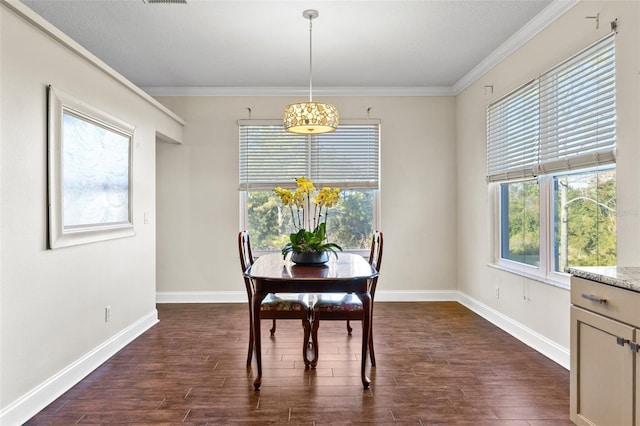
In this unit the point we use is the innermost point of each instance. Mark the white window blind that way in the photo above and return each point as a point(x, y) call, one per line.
point(270, 157)
point(578, 111)
point(563, 120)
point(347, 158)
point(512, 135)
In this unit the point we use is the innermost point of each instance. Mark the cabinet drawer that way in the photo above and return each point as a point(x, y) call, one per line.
point(613, 302)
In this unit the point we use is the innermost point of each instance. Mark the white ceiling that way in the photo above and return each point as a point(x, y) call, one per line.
point(265, 44)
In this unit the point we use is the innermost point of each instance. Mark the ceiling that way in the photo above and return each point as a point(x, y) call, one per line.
point(248, 45)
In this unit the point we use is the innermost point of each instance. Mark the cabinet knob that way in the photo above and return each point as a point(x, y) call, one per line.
point(594, 298)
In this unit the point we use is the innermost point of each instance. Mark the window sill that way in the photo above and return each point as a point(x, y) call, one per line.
point(533, 277)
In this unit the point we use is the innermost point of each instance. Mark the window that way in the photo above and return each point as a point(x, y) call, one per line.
point(347, 158)
point(520, 225)
point(551, 157)
point(584, 219)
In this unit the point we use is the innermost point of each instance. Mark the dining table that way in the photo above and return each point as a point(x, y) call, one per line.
point(343, 273)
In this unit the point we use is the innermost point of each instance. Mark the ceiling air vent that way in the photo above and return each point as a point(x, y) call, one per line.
point(165, 1)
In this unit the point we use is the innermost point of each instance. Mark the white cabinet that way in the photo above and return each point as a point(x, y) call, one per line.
point(604, 353)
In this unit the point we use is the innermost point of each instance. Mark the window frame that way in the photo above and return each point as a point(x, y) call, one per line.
point(557, 153)
point(245, 189)
point(545, 272)
point(538, 273)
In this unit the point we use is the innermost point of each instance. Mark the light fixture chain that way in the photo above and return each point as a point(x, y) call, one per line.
point(310, 59)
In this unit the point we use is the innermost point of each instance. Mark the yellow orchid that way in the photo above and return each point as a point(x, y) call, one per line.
point(299, 198)
point(285, 195)
point(305, 185)
point(327, 197)
point(304, 219)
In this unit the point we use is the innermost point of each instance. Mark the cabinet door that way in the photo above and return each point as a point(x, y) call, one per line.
point(602, 370)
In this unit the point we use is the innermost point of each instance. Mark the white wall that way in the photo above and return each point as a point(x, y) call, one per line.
point(545, 310)
point(198, 202)
point(52, 301)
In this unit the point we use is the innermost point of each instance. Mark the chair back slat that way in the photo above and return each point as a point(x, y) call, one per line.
point(375, 255)
point(244, 247)
point(246, 258)
point(375, 259)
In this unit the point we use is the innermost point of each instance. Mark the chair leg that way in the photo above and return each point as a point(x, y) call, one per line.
point(250, 353)
point(372, 355)
point(315, 324)
point(349, 328)
point(273, 328)
point(306, 326)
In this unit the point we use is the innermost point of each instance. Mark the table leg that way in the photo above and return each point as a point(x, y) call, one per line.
point(257, 301)
point(366, 328)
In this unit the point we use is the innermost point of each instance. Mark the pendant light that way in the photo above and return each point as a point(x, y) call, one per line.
point(309, 118)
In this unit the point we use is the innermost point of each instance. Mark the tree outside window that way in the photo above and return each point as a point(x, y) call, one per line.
point(520, 224)
point(585, 219)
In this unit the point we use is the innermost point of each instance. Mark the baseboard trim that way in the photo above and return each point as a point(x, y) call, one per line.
point(416, 296)
point(548, 348)
point(38, 398)
point(201, 297)
point(241, 296)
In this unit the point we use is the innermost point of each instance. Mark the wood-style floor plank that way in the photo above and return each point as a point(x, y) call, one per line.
point(437, 364)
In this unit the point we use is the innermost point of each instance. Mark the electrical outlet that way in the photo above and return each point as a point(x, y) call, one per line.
point(107, 313)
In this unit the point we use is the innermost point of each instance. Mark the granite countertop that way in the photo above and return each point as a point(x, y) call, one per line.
point(619, 276)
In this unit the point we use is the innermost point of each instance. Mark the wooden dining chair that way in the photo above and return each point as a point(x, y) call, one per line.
point(346, 306)
point(285, 306)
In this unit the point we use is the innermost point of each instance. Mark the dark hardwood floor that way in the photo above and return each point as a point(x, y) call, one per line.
point(437, 364)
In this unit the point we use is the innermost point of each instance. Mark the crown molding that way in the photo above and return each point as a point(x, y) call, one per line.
point(300, 91)
point(548, 15)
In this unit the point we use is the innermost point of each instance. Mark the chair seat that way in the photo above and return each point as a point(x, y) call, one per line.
point(337, 302)
point(285, 302)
